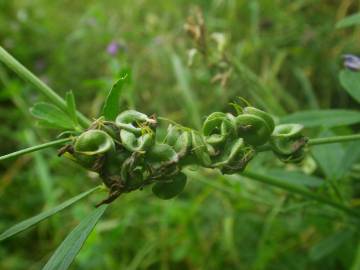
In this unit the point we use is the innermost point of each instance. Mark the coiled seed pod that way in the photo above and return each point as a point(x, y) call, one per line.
point(136, 131)
point(133, 121)
point(264, 115)
point(179, 140)
point(135, 143)
point(253, 129)
point(287, 142)
point(93, 142)
point(217, 127)
point(169, 188)
point(200, 149)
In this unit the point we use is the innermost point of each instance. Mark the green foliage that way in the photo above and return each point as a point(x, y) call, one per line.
point(351, 82)
point(281, 56)
point(69, 248)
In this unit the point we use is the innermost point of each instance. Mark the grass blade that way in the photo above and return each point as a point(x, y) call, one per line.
point(34, 148)
point(111, 106)
point(326, 118)
point(350, 80)
point(71, 107)
point(70, 247)
point(26, 224)
point(349, 21)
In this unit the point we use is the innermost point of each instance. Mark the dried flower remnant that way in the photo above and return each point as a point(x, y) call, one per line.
point(352, 62)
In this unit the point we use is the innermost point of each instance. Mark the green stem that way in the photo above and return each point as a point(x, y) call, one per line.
point(335, 139)
point(317, 141)
point(27, 75)
point(305, 193)
point(34, 148)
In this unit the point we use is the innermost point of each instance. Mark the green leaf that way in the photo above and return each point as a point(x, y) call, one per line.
point(329, 157)
point(26, 224)
point(296, 178)
point(51, 116)
point(351, 82)
point(111, 106)
point(326, 118)
point(349, 21)
point(351, 157)
point(70, 247)
point(71, 106)
point(329, 245)
point(168, 189)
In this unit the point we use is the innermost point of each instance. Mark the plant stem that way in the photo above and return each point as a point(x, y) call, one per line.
point(34, 148)
point(335, 139)
point(304, 192)
point(317, 141)
point(27, 75)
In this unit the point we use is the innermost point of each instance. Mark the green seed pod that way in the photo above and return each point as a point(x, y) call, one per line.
point(264, 115)
point(93, 142)
point(235, 157)
point(179, 140)
point(130, 121)
point(135, 143)
point(287, 142)
point(134, 172)
point(253, 129)
point(199, 148)
point(217, 127)
point(161, 155)
point(170, 188)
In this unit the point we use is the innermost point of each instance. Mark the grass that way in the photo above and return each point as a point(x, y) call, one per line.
point(287, 59)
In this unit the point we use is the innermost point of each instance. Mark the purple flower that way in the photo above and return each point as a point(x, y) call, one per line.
point(113, 48)
point(352, 62)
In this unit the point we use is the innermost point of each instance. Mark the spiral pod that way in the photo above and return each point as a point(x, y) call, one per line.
point(179, 140)
point(136, 130)
point(217, 128)
point(91, 145)
point(169, 188)
point(287, 142)
point(254, 126)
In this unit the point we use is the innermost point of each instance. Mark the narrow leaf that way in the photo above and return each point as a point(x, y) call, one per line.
point(71, 107)
point(326, 118)
point(329, 245)
point(111, 106)
point(349, 21)
point(296, 178)
point(329, 157)
point(350, 80)
point(70, 247)
point(51, 115)
point(26, 224)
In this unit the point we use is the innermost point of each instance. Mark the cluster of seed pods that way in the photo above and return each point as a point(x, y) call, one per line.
point(127, 155)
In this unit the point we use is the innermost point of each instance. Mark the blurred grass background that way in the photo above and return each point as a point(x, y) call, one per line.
point(286, 57)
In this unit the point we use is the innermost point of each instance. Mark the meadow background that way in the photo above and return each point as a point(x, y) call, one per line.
point(281, 55)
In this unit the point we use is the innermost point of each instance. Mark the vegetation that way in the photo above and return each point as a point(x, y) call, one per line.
point(202, 98)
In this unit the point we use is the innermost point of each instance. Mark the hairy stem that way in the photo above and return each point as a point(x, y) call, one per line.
point(34, 148)
point(317, 141)
point(27, 75)
point(298, 190)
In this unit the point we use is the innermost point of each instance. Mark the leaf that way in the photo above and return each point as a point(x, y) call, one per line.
point(296, 178)
point(111, 106)
point(71, 106)
point(168, 189)
point(26, 224)
point(351, 156)
point(70, 247)
point(349, 21)
point(351, 82)
point(329, 245)
point(329, 157)
point(51, 116)
point(326, 118)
